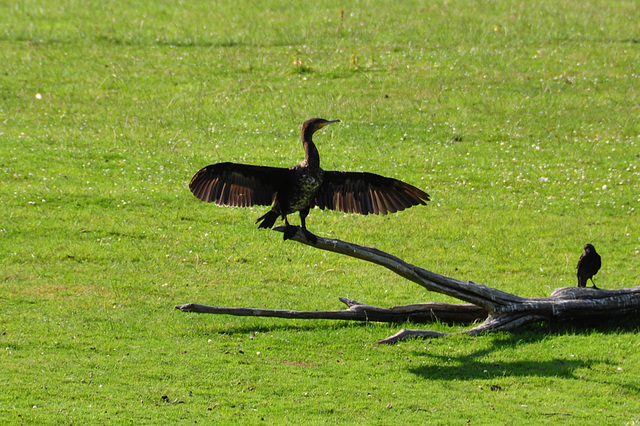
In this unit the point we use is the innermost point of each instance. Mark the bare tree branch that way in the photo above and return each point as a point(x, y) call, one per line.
point(499, 310)
point(468, 291)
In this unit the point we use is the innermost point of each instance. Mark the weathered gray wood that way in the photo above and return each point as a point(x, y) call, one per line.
point(420, 312)
point(356, 311)
point(505, 311)
point(499, 310)
point(468, 291)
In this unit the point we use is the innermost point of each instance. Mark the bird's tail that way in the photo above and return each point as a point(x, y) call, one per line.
point(582, 281)
point(268, 219)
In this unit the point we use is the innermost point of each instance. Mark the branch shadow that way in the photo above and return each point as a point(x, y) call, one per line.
point(472, 366)
point(475, 366)
point(271, 325)
point(530, 333)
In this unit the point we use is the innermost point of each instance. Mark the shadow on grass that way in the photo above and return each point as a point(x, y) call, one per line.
point(530, 333)
point(486, 363)
point(272, 325)
point(469, 368)
point(481, 364)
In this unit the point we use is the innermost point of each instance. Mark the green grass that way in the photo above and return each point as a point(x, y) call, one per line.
point(520, 119)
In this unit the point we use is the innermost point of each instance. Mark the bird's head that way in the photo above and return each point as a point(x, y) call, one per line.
point(311, 126)
point(589, 248)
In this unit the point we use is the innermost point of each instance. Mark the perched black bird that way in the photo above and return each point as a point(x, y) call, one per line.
point(588, 265)
point(303, 186)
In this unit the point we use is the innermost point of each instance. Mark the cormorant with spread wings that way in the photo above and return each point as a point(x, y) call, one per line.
point(303, 186)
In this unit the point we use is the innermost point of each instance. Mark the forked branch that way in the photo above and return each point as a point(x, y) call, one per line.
point(500, 310)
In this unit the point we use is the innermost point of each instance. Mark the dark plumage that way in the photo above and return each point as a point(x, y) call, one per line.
point(588, 265)
point(303, 186)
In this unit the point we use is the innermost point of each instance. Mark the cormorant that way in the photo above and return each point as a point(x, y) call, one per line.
point(303, 186)
point(588, 265)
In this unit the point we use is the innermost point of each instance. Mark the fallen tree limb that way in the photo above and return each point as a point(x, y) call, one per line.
point(500, 310)
point(356, 311)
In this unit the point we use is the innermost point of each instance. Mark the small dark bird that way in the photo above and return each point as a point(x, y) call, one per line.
point(588, 265)
point(302, 187)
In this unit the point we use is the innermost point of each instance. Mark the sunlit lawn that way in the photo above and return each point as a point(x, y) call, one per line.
point(519, 119)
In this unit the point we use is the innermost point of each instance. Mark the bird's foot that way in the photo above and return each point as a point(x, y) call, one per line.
point(289, 232)
point(309, 236)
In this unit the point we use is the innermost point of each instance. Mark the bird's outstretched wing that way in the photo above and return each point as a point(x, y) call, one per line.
point(238, 185)
point(364, 193)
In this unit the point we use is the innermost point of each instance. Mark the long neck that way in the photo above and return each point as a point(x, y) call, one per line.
point(312, 157)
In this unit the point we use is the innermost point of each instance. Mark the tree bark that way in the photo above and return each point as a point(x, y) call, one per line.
point(500, 310)
point(356, 311)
